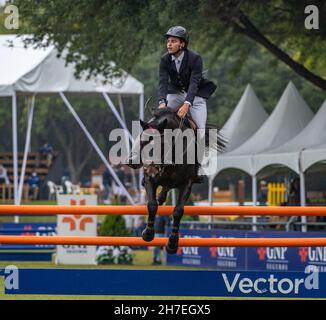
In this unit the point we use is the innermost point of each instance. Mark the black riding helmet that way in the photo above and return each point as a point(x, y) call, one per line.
point(178, 32)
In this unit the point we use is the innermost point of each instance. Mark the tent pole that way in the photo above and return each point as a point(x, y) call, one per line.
point(303, 200)
point(96, 147)
point(141, 117)
point(15, 149)
point(210, 191)
point(254, 201)
point(117, 115)
point(27, 144)
point(122, 110)
point(210, 198)
point(123, 125)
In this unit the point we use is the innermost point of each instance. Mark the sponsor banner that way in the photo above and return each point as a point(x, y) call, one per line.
point(255, 258)
point(76, 225)
point(28, 229)
point(286, 258)
point(222, 258)
point(246, 284)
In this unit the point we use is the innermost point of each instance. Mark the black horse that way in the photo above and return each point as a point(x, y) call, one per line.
point(169, 176)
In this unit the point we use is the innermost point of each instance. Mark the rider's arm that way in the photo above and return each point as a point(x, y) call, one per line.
point(195, 78)
point(163, 84)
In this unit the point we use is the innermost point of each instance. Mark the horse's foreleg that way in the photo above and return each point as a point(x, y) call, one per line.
point(162, 196)
point(149, 232)
point(184, 194)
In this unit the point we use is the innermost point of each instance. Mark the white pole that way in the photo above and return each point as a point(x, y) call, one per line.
point(303, 200)
point(15, 144)
point(97, 149)
point(141, 117)
point(210, 198)
point(15, 150)
point(123, 124)
point(254, 201)
point(122, 110)
point(117, 115)
point(27, 144)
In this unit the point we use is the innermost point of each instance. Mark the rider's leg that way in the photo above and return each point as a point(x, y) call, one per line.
point(198, 112)
point(175, 100)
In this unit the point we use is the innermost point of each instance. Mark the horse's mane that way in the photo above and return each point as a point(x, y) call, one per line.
point(163, 112)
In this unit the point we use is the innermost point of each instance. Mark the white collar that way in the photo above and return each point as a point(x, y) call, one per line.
point(178, 58)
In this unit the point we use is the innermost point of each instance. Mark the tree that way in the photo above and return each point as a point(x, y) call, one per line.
point(100, 31)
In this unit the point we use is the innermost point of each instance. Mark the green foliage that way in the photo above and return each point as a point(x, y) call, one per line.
point(114, 226)
point(100, 31)
point(130, 33)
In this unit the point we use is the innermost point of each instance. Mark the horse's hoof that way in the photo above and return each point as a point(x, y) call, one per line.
point(171, 250)
point(172, 246)
point(148, 234)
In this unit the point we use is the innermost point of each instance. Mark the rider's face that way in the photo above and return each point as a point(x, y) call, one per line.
point(174, 45)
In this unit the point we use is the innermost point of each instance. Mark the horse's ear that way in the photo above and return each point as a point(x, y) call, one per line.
point(143, 124)
point(162, 125)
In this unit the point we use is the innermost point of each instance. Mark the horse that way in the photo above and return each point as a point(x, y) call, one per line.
point(171, 175)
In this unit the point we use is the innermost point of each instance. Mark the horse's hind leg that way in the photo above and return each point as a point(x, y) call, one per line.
point(184, 194)
point(162, 196)
point(149, 232)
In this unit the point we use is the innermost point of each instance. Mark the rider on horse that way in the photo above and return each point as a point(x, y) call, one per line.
point(182, 86)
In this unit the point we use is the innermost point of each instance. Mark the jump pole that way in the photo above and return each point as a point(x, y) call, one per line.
point(183, 242)
point(162, 210)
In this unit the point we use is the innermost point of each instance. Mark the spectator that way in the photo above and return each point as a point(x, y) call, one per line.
point(3, 175)
point(161, 222)
point(294, 200)
point(46, 152)
point(294, 194)
point(263, 191)
point(118, 192)
point(107, 181)
point(34, 185)
point(262, 199)
point(65, 177)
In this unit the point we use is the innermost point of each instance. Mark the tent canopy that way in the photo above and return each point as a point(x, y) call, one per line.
point(289, 153)
point(244, 121)
point(289, 117)
point(39, 70)
point(313, 155)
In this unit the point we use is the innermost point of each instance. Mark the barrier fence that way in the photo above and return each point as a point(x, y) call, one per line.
point(162, 210)
point(183, 242)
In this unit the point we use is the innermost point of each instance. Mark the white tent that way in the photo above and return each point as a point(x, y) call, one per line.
point(244, 121)
point(312, 156)
point(289, 153)
point(289, 117)
point(40, 71)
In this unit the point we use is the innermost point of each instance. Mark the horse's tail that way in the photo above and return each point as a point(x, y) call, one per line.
point(213, 138)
